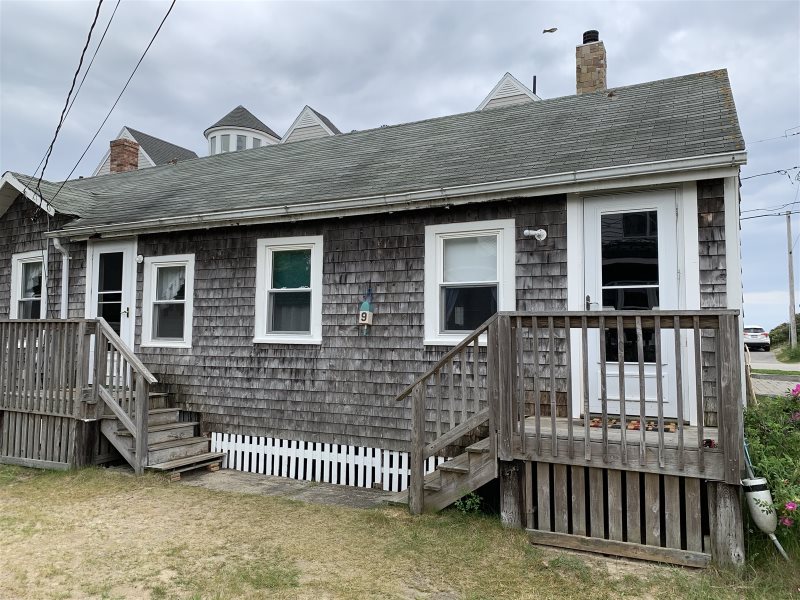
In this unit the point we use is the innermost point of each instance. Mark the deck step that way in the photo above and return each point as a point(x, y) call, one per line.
point(479, 447)
point(170, 450)
point(433, 486)
point(460, 464)
point(161, 416)
point(165, 432)
point(184, 464)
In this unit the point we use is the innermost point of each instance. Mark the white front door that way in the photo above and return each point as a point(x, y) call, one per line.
point(631, 263)
point(111, 285)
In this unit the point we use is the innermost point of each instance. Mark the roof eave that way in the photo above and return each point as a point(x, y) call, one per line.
point(570, 181)
point(9, 179)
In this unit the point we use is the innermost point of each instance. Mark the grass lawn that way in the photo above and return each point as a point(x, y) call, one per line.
point(785, 354)
point(102, 534)
point(774, 372)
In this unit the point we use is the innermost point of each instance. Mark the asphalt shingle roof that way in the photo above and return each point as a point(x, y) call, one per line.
point(159, 150)
point(682, 117)
point(241, 117)
point(326, 120)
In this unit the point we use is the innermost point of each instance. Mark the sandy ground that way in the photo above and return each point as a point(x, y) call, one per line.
point(103, 534)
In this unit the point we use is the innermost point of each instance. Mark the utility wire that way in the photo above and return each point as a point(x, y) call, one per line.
point(771, 207)
point(786, 135)
point(779, 171)
point(69, 94)
point(779, 214)
point(113, 106)
point(85, 73)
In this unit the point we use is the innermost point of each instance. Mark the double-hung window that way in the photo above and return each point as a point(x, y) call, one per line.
point(168, 301)
point(289, 291)
point(28, 285)
point(469, 276)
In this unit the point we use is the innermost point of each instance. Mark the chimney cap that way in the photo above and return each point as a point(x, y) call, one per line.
point(591, 36)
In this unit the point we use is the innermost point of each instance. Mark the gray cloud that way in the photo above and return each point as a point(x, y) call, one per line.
point(364, 64)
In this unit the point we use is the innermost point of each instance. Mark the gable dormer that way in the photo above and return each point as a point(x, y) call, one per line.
point(309, 124)
point(509, 90)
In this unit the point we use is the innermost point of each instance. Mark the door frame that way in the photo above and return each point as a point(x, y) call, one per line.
point(92, 248)
point(688, 259)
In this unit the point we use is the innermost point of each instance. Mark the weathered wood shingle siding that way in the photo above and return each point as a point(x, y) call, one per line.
point(22, 229)
point(713, 278)
point(343, 390)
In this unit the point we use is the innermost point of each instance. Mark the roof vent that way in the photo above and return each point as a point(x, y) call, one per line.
point(591, 36)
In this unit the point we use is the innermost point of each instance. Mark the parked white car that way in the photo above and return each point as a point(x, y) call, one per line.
point(756, 338)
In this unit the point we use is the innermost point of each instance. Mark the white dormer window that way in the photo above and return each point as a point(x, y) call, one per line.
point(241, 142)
point(256, 142)
point(213, 144)
point(225, 142)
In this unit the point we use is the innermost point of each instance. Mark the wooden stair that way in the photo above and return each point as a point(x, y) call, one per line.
point(455, 478)
point(173, 446)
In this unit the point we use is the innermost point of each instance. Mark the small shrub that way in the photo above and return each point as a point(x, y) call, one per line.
point(471, 503)
point(772, 428)
point(780, 334)
point(789, 355)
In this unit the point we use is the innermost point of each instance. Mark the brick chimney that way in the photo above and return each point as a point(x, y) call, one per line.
point(590, 64)
point(124, 156)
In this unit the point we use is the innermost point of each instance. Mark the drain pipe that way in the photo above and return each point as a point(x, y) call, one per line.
point(65, 258)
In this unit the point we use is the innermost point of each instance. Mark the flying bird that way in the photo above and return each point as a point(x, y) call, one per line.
point(551, 30)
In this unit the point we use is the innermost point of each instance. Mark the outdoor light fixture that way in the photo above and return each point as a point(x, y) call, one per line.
point(539, 234)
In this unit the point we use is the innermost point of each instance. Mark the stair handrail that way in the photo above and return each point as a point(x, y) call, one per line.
point(138, 427)
point(419, 450)
point(123, 349)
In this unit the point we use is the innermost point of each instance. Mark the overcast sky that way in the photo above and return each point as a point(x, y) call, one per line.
point(371, 63)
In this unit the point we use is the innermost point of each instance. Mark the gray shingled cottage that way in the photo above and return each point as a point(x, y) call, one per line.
point(555, 287)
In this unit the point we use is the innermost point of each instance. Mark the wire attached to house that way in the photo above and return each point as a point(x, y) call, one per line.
point(779, 171)
point(83, 79)
point(69, 95)
point(113, 106)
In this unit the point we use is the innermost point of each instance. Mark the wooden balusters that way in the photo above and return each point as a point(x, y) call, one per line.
point(698, 367)
point(642, 409)
point(622, 408)
point(679, 399)
point(537, 386)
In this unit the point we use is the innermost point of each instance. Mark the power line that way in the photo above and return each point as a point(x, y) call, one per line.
point(771, 207)
point(85, 73)
point(113, 106)
point(779, 171)
point(69, 94)
point(779, 214)
point(786, 135)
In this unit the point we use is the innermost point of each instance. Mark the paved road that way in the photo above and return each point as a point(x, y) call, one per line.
point(766, 360)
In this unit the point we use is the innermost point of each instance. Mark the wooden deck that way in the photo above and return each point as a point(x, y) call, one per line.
point(677, 453)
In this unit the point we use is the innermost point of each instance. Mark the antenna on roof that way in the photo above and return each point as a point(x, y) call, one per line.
point(533, 89)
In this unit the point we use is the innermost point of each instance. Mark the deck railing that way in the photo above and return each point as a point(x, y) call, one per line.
point(73, 368)
point(641, 405)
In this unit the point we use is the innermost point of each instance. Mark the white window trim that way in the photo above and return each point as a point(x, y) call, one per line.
point(263, 276)
point(505, 231)
point(17, 261)
point(150, 270)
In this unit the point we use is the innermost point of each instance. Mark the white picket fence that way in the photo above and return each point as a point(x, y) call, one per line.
point(356, 466)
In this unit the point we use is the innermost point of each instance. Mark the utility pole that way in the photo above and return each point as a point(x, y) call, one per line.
point(792, 324)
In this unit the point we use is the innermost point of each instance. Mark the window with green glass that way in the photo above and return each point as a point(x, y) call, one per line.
point(289, 294)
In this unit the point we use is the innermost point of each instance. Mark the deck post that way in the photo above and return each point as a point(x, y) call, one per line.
point(142, 412)
point(511, 497)
point(505, 387)
point(726, 524)
point(417, 484)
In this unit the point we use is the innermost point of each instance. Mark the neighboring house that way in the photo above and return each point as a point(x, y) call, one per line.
point(239, 130)
point(237, 278)
point(151, 152)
